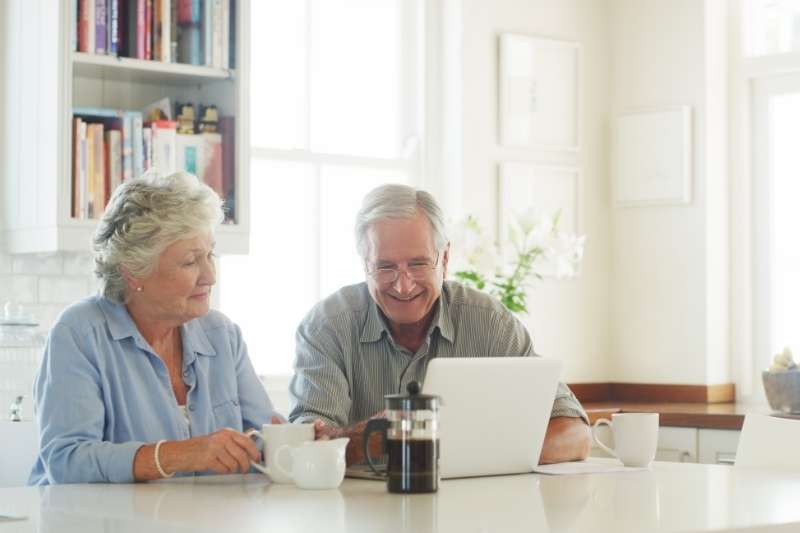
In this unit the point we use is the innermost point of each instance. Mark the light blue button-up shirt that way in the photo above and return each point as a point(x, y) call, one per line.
point(102, 392)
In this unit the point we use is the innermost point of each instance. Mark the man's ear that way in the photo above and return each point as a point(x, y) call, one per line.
point(445, 259)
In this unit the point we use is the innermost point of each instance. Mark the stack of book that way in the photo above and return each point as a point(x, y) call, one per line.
point(198, 32)
point(112, 145)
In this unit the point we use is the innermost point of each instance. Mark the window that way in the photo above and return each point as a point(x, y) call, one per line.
point(766, 261)
point(776, 194)
point(335, 111)
point(771, 27)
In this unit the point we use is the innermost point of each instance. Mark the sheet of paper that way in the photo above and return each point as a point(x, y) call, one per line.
point(11, 518)
point(584, 467)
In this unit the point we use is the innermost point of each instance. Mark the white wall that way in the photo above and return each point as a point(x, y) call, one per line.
point(44, 284)
point(669, 265)
point(569, 319)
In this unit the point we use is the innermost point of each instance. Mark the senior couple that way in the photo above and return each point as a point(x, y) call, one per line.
point(145, 381)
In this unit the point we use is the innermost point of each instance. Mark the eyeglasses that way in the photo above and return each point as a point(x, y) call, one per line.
point(417, 270)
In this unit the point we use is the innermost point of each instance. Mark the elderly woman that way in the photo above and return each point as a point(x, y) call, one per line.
point(144, 381)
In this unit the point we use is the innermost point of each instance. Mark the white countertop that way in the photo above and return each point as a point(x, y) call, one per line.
point(669, 497)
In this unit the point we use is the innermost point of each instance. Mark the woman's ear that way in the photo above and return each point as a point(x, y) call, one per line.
point(133, 284)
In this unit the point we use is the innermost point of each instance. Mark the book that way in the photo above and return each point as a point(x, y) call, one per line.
point(163, 146)
point(79, 169)
point(226, 32)
point(207, 24)
point(232, 37)
point(127, 24)
point(148, 29)
point(216, 34)
point(162, 43)
point(227, 127)
point(100, 28)
point(147, 148)
point(76, 21)
point(138, 147)
point(113, 161)
point(96, 175)
point(86, 26)
point(173, 35)
point(201, 154)
point(113, 27)
point(141, 14)
point(190, 39)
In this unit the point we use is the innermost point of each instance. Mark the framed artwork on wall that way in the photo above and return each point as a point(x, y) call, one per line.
point(651, 157)
point(538, 92)
point(523, 187)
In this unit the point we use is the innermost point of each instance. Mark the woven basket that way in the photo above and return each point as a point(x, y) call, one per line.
point(783, 390)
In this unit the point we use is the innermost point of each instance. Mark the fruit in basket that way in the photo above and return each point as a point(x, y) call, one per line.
point(783, 361)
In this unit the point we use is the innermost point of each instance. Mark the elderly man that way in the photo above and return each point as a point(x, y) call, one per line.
point(371, 339)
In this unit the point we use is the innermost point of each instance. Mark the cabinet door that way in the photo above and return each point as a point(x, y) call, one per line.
point(20, 447)
point(718, 446)
point(678, 445)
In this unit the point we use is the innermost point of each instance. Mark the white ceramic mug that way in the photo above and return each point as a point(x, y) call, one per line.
point(319, 464)
point(274, 436)
point(635, 437)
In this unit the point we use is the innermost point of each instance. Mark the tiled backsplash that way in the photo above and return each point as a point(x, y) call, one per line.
point(46, 283)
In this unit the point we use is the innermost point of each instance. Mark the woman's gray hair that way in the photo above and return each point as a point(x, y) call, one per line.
point(143, 217)
point(398, 201)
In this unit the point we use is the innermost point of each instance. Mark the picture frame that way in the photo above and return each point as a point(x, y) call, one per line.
point(548, 188)
point(539, 92)
point(651, 161)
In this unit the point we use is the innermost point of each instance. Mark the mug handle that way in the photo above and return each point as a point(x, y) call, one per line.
point(277, 466)
point(598, 423)
point(379, 425)
point(258, 466)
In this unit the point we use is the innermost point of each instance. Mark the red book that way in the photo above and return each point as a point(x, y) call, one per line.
point(140, 29)
point(86, 26)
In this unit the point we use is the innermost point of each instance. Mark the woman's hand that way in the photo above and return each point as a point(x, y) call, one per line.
point(224, 452)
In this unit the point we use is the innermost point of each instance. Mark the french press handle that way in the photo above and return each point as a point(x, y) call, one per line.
point(376, 425)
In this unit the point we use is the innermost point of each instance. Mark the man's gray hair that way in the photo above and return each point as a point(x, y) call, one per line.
point(144, 216)
point(398, 201)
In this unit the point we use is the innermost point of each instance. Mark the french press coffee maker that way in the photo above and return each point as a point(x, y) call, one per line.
point(411, 440)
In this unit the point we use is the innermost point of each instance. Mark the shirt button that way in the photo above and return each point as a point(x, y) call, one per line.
point(191, 407)
point(235, 402)
point(186, 373)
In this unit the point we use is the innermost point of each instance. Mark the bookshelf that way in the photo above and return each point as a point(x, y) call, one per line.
point(47, 79)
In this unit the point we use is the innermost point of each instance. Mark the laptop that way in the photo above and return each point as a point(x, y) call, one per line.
point(494, 413)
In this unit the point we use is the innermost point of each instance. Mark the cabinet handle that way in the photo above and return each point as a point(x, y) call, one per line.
point(726, 458)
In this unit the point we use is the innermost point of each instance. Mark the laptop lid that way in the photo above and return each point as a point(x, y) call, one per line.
point(494, 412)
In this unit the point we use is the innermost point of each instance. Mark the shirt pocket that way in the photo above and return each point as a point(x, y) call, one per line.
point(227, 414)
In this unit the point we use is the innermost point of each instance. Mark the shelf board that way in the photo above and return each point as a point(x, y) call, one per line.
point(129, 69)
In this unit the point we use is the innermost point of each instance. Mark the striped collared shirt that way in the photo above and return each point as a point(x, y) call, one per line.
point(347, 359)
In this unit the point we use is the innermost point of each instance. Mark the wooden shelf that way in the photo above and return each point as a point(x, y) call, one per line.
point(127, 69)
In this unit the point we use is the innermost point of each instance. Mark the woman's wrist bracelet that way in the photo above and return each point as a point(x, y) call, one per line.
point(161, 471)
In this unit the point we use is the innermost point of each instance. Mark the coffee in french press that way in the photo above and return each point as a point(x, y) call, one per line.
point(410, 439)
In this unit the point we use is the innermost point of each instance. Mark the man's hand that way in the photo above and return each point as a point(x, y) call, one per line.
point(355, 432)
point(567, 439)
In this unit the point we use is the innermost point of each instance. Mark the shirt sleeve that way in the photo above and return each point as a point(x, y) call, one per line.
point(71, 416)
point(513, 339)
point(319, 388)
point(256, 407)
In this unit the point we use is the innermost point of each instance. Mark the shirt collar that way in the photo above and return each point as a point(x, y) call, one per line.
point(121, 326)
point(375, 326)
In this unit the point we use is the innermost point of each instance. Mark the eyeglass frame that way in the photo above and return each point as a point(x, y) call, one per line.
point(374, 272)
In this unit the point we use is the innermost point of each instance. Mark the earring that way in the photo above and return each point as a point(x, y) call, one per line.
point(138, 289)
